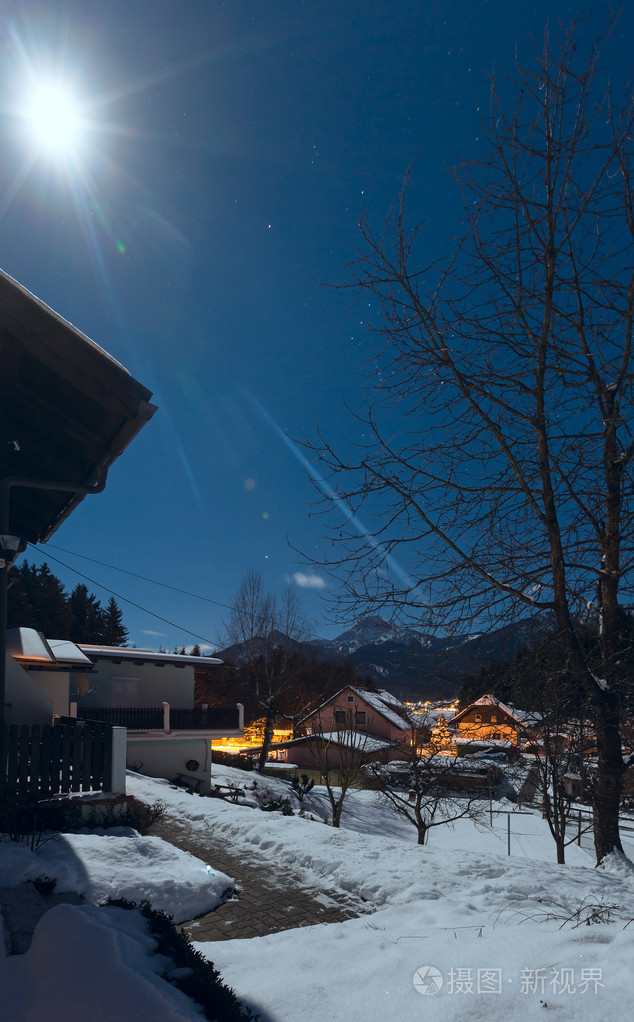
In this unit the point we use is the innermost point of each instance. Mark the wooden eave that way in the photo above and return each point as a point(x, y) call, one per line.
point(69, 406)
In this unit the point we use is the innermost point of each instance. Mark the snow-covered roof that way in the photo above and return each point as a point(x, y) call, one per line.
point(30, 646)
point(499, 743)
point(387, 705)
point(67, 652)
point(490, 700)
point(124, 653)
point(382, 701)
point(353, 739)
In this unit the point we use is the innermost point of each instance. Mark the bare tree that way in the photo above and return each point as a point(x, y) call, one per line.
point(558, 719)
point(340, 754)
point(426, 788)
point(562, 745)
point(505, 483)
point(266, 630)
point(252, 619)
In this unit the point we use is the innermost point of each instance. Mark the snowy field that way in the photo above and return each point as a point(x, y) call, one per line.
point(455, 929)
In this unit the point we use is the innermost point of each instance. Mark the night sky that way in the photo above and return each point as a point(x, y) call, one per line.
point(227, 153)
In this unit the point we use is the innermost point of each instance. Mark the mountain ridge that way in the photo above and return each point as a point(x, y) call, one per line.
point(412, 664)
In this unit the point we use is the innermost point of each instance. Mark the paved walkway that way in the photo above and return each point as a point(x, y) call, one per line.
point(269, 899)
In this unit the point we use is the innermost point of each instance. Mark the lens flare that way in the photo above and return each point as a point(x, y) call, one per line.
point(54, 120)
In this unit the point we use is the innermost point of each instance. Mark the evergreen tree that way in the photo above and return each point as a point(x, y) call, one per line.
point(37, 599)
point(114, 632)
point(20, 612)
point(440, 734)
point(87, 615)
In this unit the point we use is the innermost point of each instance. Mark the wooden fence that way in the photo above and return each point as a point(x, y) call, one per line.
point(135, 718)
point(39, 761)
point(139, 718)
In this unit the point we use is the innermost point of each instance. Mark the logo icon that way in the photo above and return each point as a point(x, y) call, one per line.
point(427, 980)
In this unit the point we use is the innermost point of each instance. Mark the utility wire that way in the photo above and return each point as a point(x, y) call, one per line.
point(131, 602)
point(154, 581)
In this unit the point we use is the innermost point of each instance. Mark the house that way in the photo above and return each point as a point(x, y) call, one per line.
point(39, 680)
point(68, 410)
point(354, 724)
point(332, 751)
point(147, 696)
point(376, 713)
point(39, 673)
point(489, 722)
point(152, 695)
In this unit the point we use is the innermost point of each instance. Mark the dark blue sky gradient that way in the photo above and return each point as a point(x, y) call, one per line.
point(233, 148)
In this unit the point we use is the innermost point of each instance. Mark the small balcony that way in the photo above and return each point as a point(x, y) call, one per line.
point(217, 720)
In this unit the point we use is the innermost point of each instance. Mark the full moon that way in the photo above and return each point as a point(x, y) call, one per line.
point(54, 120)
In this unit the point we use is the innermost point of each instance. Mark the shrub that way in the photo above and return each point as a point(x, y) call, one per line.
point(278, 805)
point(302, 787)
point(141, 816)
point(190, 971)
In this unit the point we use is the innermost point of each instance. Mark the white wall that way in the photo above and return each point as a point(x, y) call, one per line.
point(168, 756)
point(29, 704)
point(174, 685)
point(56, 685)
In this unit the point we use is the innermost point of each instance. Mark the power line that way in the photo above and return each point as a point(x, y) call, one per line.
point(100, 585)
point(154, 581)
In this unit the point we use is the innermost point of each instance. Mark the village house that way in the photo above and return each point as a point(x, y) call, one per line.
point(489, 722)
point(360, 723)
point(377, 713)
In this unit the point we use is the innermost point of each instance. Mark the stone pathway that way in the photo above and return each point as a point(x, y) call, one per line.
point(269, 900)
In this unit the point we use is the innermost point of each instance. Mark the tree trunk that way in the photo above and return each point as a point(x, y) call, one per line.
point(607, 790)
point(269, 727)
point(609, 778)
point(337, 806)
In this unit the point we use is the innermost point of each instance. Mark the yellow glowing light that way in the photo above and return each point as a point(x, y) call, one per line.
point(54, 121)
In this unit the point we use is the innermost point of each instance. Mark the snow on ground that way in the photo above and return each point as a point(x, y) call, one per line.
point(89, 963)
point(492, 926)
point(120, 864)
point(86, 962)
point(495, 936)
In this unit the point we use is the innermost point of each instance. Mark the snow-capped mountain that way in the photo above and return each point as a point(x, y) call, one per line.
point(414, 665)
point(369, 631)
point(410, 663)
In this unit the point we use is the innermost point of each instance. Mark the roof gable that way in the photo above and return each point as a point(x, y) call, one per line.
point(382, 702)
point(488, 701)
